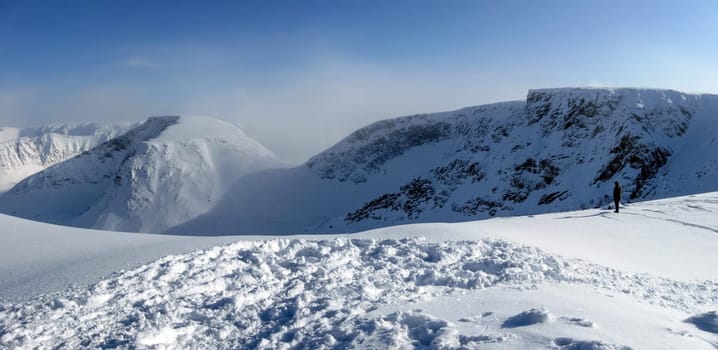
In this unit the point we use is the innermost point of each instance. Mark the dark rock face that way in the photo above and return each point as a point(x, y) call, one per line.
point(458, 171)
point(625, 149)
point(560, 149)
point(420, 194)
point(550, 197)
point(530, 176)
point(649, 166)
point(563, 114)
point(633, 153)
point(506, 154)
point(417, 192)
point(387, 202)
point(411, 200)
point(478, 205)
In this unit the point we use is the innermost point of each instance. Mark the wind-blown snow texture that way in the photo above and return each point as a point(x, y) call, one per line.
point(321, 294)
point(449, 286)
point(292, 293)
point(159, 174)
point(561, 149)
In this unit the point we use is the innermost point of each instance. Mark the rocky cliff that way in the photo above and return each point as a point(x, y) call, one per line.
point(560, 149)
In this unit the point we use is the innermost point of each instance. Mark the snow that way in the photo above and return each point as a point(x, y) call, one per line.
point(560, 150)
point(527, 318)
point(585, 279)
point(609, 239)
point(707, 321)
point(578, 315)
point(25, 151)
point(37, 258)
point(548, 281)
point(8, 134)
point(161, 173)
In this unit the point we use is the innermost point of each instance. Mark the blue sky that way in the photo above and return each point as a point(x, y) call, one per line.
point(300, 75)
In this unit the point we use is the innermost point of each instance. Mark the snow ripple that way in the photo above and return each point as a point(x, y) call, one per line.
point(312, 294)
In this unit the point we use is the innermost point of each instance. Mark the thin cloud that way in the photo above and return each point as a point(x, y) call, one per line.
point(302, 113)
point(12, 105)
point(304, 110)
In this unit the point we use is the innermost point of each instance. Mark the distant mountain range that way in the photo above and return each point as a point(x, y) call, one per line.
point(561, 149)
point(26, 151)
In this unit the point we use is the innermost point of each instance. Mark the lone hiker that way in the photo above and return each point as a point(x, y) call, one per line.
point(616, 194)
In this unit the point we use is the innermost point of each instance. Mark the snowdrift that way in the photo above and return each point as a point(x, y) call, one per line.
point(482, 284)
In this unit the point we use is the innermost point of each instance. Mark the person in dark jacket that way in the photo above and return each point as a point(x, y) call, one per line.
point(616, 194)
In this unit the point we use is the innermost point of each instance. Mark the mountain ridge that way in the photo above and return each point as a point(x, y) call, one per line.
point(560, 149)
point(25, 151)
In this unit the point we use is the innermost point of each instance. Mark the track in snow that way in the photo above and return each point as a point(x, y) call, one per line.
point(287, 293)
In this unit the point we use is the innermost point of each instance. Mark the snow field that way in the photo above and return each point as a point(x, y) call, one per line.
point(338, 293)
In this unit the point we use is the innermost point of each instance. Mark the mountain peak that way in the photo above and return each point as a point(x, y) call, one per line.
point(160, 173)
point(25, 151)
point(603, 90)
point(561, 149)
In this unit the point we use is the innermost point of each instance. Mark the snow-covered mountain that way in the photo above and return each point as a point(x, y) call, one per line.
point(580, 279)
point(561, 149)
point(159, 174)
point(25, 151)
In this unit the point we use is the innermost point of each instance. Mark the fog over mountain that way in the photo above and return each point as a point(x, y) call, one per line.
point(360, 174)
point(560, 149)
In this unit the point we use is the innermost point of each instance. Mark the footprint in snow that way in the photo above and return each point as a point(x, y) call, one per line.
point(706, 322)
point(576, 321)
point(476, 318)
point(574, 344)
point(527, 318)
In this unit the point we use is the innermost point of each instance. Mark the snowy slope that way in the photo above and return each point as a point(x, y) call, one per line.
point(38, 258)
point(159, 174)
point(439, 286)
point(26, 151)
point(561, 149)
